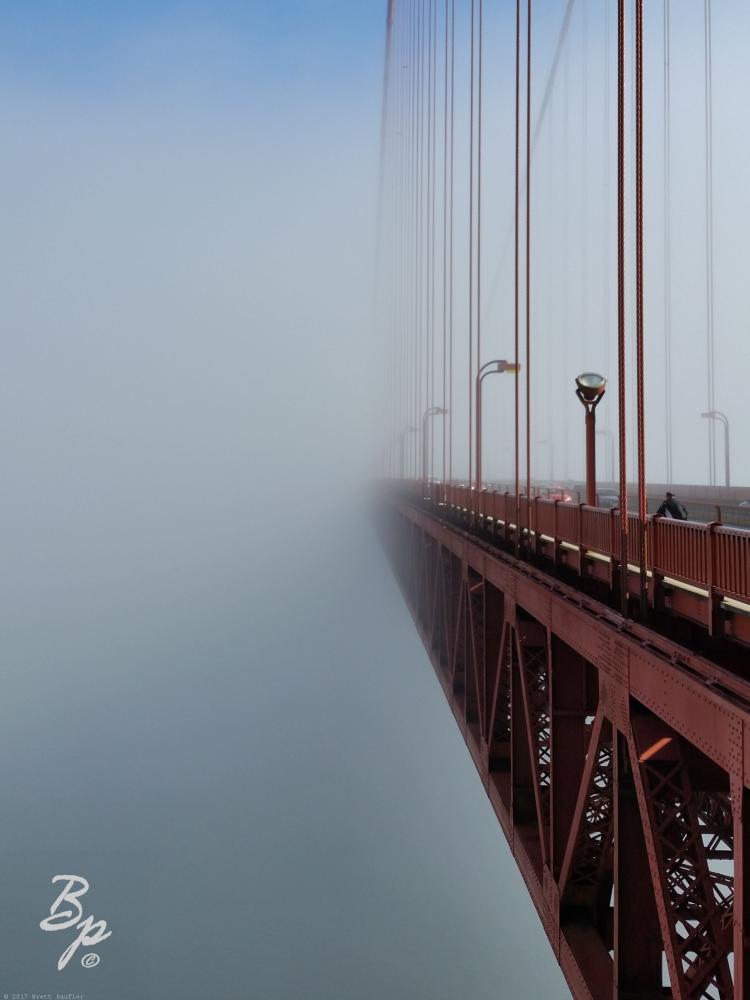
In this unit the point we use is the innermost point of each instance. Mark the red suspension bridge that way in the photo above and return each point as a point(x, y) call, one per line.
point(596, 659)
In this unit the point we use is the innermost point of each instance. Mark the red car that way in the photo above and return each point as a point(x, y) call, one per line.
point(558, 493)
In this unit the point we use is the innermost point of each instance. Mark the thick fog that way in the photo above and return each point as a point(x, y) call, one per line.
point(215, 706)
point(696, 215)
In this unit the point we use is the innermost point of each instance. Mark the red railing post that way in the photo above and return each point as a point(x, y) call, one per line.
point(658, 578)
point(614, 514)
point(714, 597)
point(556, 536)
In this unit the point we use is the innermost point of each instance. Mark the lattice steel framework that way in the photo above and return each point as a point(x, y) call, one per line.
point(616, 762)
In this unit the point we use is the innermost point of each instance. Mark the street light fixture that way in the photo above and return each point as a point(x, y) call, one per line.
point(722, 417)
point(590, 390)
point(498, 366)
point(433, 411)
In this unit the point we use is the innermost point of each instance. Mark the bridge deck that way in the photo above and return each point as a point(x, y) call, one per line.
point(616, 759)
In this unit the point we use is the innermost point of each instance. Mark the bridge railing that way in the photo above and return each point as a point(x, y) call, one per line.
point(544, 517)
point(711, 557)
point(681, 550)
point(596, 530)
point(730, 562)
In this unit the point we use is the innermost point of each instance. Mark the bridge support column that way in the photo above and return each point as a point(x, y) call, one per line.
point(637, 936)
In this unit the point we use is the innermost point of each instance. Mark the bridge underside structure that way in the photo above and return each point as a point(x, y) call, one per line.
point(617, 761)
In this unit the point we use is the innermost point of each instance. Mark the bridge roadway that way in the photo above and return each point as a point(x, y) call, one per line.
point(615, 754)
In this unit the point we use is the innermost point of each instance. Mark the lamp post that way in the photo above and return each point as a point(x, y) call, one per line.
point(407, 430)
point(433, 411)
point(488, 368)
point(590, 389)
point(718, 415)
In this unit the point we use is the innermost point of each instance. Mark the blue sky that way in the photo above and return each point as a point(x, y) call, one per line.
point(102, 50)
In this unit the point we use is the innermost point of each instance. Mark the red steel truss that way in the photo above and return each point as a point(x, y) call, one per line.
point(615, 760)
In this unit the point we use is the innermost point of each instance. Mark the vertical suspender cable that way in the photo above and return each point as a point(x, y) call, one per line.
point(422, 250)
point(542, 109)
point(383, 128)
point(433, 329)
point(471, 242)
point(640, 360)
point(479, 240)
point(667, 250)
point(450, 261)
point(710, 247)
point(606, 256)
point(516, 283)
point(428, 244)
point(528, 249)
point(445, 246)
point(430, 257)
point(621, 384)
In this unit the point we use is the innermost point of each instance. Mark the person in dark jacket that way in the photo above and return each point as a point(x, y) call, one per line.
point(672, 508)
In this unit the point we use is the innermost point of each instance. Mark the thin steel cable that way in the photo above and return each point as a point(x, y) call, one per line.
point(528, 249)
point(471, 243)
point(416, 415)
point(710, 360)
point(479, 206)
point(566, 242)
point(450, 314)
point(621, 383)
point(667, 249)
point(402, 215)
point(433, 277)
point(445, 245)
point(516, 280)
point(640, 358)
point(430, 262)
point(419, 233)
point(584, 181)
point(606, 230)
point(540, 119)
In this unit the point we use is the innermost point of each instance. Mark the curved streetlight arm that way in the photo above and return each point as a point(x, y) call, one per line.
point(717, 415)
point(724, 419)
point(433, 411)
point(498, 366)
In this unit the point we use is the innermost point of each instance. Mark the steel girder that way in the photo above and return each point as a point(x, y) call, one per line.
point(616, 762)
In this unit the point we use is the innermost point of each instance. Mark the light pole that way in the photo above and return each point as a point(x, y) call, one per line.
point(488, 368)
point(433, 411)
point(606, 433)
point(718, 415)
point(590, 389)
point(407, 430)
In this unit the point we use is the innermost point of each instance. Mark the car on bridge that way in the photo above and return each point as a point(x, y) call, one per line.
point(557, 492)
point(608, 500)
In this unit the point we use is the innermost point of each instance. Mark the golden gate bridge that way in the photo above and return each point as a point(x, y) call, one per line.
point(595, 657)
